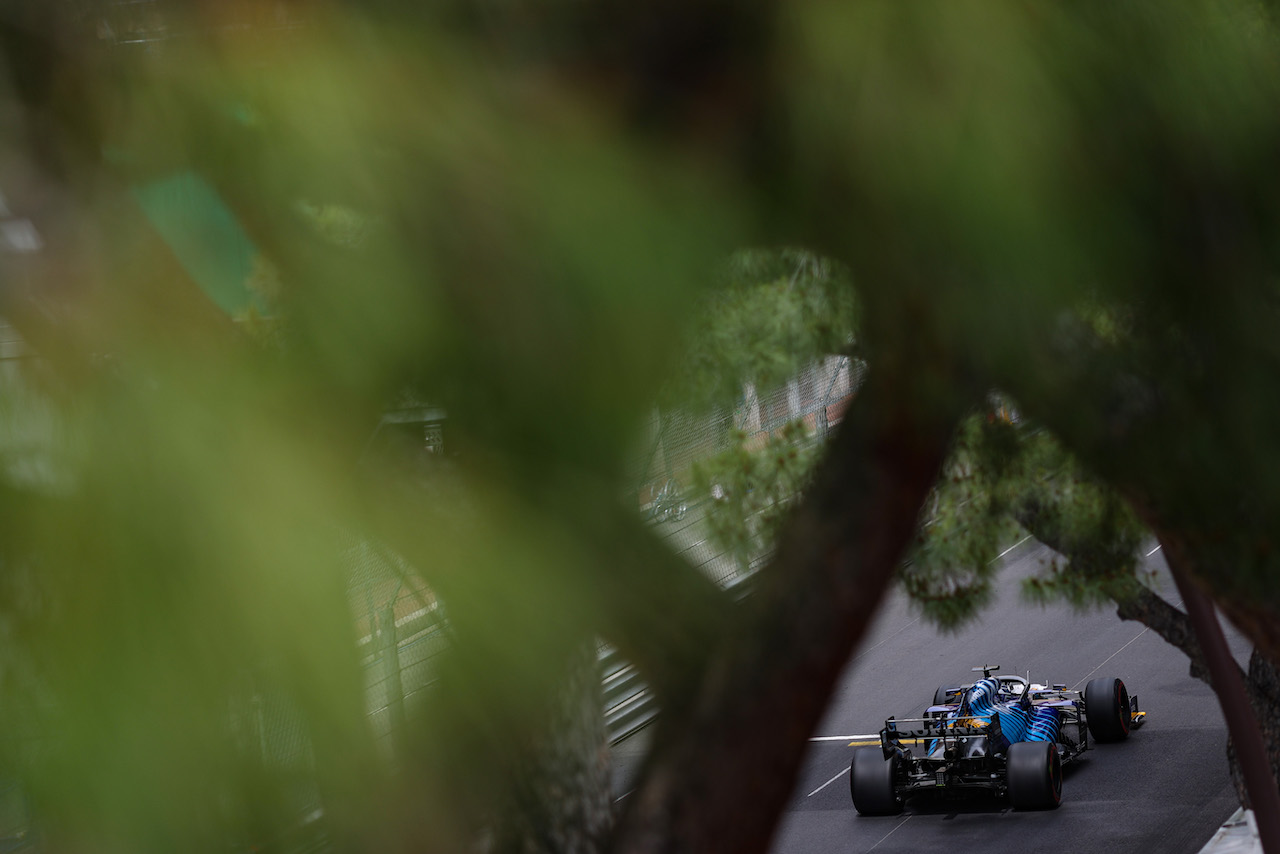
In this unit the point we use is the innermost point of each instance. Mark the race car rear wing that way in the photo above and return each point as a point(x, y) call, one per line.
point(895, 731)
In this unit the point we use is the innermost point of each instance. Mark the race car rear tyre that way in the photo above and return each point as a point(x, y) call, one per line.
point(1034, 775)
point(1106, 703)
point(940, 697)
point(871, 782)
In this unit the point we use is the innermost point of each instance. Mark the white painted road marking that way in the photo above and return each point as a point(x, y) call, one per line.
point(829, 782)
point(890, 833)
point(1006, 551)
point(1109, 657)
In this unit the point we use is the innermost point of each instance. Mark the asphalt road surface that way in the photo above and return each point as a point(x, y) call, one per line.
point(1164, 789)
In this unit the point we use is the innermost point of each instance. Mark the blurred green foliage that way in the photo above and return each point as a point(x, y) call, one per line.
point(952, 566)
point(1004, 480)
point(422, 227)
point(514, 212)
point(769, 314)
point(751, 485)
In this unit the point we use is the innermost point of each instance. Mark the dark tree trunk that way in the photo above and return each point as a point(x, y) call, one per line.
point(560, 797)
point(1134, 601)
point(724, 764)
point(1263, 687)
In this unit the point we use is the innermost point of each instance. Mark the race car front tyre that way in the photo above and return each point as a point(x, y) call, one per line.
point(1106, 703)
point(871, 782)
point(1034, 775)
point(946, 694)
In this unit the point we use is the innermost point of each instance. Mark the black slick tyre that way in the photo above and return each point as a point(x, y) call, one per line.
point(871, 782)
point(940, 697)
point(1034, 775)
point(1106, 702)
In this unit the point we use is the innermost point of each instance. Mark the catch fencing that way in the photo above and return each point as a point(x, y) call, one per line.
point(818, 397)
point(402, 627)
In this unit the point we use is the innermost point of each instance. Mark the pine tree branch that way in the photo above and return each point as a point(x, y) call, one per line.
point(720, 774)
point(1174, 626)
point(1134, 601)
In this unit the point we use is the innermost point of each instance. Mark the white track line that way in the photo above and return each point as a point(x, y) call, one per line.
point(828, 783)
point(1126, 646)
point(890, 833)
point(874, 735)
point(1006, 551)
point(1109, 657)
point(885, 641)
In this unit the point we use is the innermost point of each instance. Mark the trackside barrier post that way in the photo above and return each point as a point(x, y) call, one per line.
point(389, 653)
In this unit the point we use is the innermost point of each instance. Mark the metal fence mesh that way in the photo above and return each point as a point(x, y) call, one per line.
point(817, 396)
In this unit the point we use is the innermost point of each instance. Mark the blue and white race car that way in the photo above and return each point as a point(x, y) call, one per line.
point(1001, 733)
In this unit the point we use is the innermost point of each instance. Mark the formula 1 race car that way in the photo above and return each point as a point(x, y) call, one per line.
point(1001, 734)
